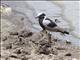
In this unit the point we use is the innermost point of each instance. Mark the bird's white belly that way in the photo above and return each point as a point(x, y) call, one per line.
point(50, 29)
point(54, 29)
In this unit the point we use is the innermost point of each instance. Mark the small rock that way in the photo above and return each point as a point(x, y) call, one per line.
point(42, 43)
point(54, 52)
point(45, 43)
point(9, 46)
point(7, 58)
point(4, 38)
point(68, 42)
point(18, 51)
point(61, 58)
point(20, 39)
point(22, 19)
point(24, 58)
point(0, 55)
point(25, 34)
point(60, 48)
point(74, 59)
point(13, 56)
point(55, 40)
point(44, 50)
point(13, 33)
point(20, 35)
point(26, 52)
point(68, 54)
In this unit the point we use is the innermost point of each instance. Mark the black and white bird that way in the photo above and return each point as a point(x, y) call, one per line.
point(48, 24)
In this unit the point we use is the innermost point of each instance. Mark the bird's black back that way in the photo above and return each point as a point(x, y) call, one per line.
point(51, 24)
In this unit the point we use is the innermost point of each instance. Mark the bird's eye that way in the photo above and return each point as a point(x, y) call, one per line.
point(56, 20)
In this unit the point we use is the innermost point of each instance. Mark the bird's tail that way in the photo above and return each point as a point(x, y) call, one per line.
point(63, 31)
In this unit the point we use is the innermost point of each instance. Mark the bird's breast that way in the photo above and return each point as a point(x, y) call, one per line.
point(41, 24)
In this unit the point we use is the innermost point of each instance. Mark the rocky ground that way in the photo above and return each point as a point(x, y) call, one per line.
point(20, 44)
point(26, 45)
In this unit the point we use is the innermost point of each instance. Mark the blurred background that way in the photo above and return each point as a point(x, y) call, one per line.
point(17, 15)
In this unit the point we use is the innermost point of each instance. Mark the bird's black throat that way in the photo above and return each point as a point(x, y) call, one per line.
point(40, 22)
point(41, 18)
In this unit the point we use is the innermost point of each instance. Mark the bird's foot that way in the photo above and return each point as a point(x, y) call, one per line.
point(45, 31)
point(65, 32)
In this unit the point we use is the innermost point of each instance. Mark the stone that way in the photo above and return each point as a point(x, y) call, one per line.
point(60, 48)
point(68, 54)
point(68, 42)
point(13, 33)
point(4, 38)
point(8, 46)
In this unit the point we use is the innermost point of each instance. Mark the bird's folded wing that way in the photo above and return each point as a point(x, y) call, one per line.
point(49, 23)
point(46, 22)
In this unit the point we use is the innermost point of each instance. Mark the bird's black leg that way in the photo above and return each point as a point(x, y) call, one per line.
point(65, 32)
point(49, 36)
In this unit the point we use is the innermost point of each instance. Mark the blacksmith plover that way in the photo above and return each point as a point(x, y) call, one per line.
point(48, 24)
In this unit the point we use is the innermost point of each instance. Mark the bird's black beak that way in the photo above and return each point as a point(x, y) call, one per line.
point(36, 17)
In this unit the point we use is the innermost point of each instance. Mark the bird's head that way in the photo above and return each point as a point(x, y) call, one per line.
point(41, 15)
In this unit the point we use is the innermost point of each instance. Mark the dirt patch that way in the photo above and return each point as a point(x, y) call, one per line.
point(26, 45)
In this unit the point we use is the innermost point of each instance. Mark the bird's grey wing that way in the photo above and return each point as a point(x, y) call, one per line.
point(51, 24)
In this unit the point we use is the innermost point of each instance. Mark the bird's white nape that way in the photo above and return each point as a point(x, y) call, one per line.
point(39, 14)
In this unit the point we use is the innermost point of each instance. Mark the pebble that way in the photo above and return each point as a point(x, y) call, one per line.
point(60, 48)
point(74, 59)
point(68, 54)
point(4, 38)
point(9, 46)
point(24, 58)
point(68, 42)
point(13, 33)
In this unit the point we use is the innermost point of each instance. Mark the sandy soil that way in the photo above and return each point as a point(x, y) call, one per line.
point(26, 45)
point(20, 44)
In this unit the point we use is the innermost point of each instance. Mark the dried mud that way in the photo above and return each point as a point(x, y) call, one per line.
point(26, 45)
